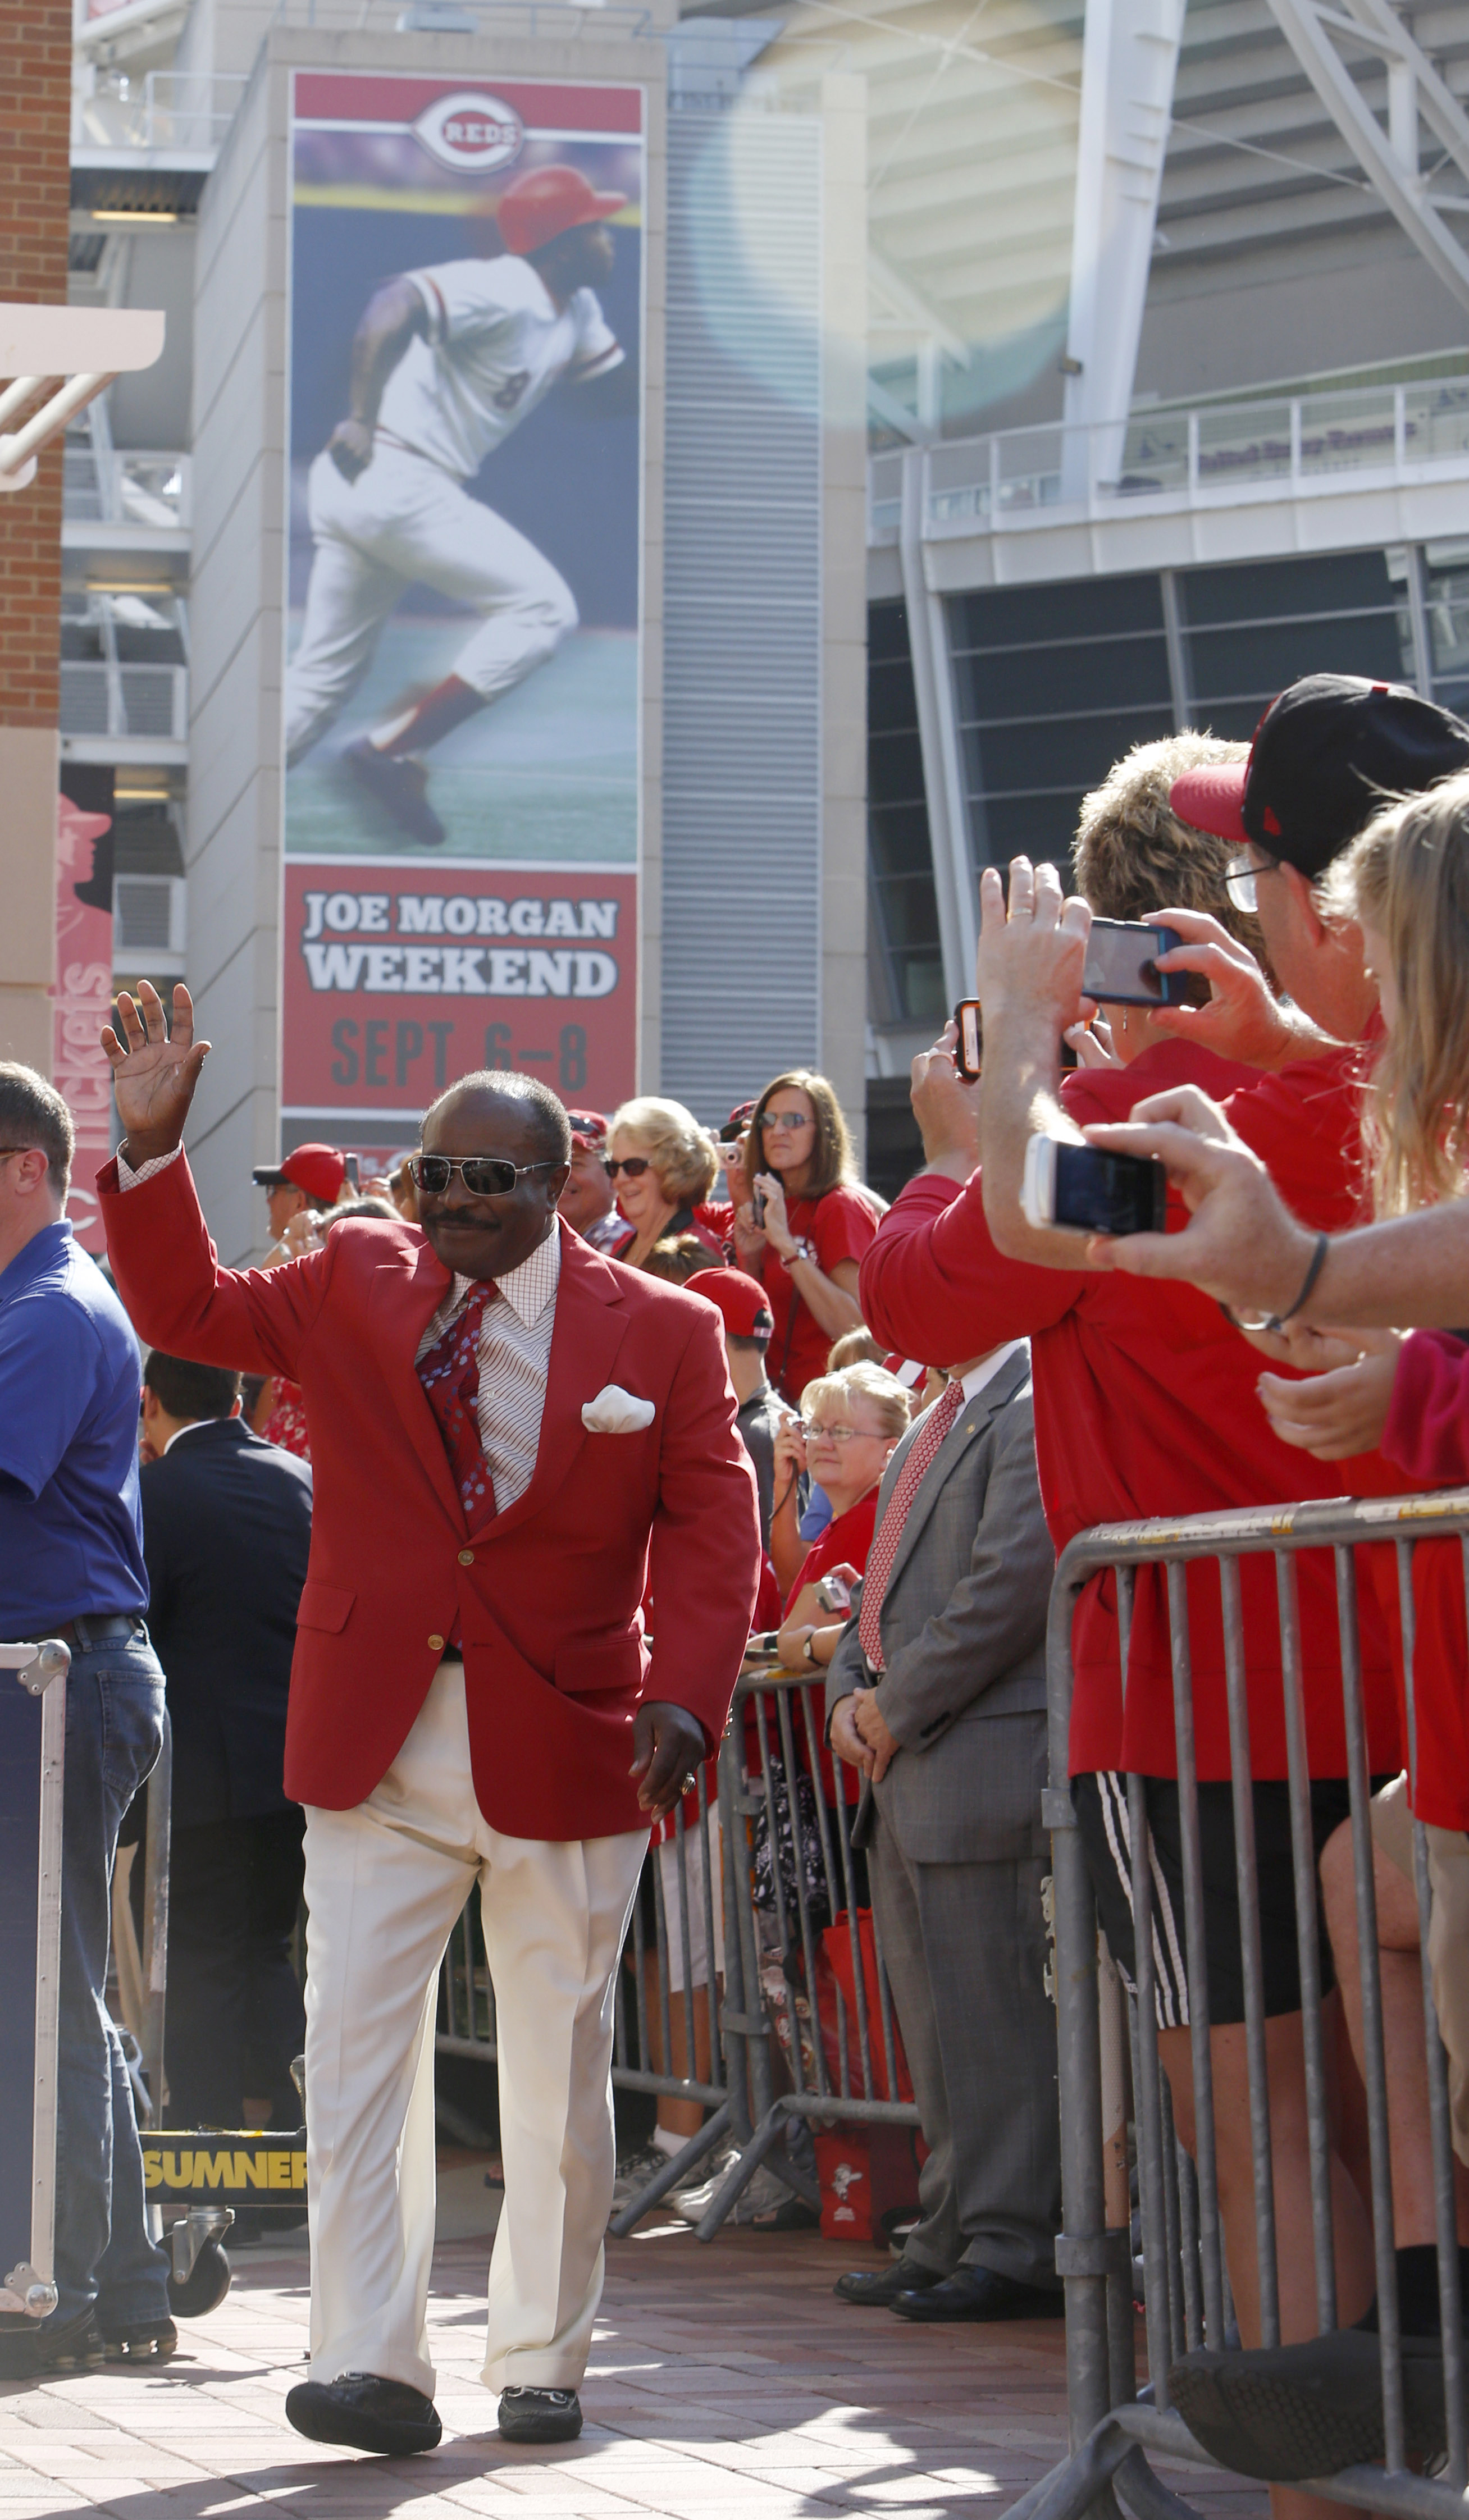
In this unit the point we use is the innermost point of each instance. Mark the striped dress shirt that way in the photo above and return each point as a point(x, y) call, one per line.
point(515, 1352)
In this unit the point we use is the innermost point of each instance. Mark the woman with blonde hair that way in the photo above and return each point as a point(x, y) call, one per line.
point(662, 1165)
point(806, 1224)
point(849, 1424)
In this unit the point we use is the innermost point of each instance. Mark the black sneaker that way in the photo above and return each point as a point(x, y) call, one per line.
point(30, 2348)
point(1284, 2412)
point(539, 2415)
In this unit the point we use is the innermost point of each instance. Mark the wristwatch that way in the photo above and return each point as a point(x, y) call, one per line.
point(806, 1653)
point(804, 1249)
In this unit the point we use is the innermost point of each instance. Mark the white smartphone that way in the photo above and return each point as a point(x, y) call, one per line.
point(1084, 1190)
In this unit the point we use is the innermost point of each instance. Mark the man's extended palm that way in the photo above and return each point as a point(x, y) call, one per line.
point(154, 1075)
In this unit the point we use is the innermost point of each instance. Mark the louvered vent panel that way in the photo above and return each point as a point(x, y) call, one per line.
point(742, 746)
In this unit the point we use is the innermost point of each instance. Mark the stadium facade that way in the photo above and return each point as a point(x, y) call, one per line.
point(1011, 388)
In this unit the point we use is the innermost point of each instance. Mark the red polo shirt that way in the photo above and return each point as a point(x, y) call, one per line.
point(841, 1226)
point(1145, 1404)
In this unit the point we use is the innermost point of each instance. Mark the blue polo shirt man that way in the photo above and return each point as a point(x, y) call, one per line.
point(71, 1566)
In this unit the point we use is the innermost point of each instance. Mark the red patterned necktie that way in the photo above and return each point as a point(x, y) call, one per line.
point(449, 1375)
point(921, 1453)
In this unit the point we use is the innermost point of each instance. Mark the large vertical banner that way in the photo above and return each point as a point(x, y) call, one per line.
point(462, 685)
point(82, 994)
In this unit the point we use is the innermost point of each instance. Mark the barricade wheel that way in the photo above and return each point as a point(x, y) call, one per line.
point(204, 2287)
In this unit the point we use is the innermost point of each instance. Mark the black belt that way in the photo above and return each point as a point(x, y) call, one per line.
point(86, 1634)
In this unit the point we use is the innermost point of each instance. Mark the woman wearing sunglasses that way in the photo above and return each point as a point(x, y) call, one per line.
point(662, 1166)
point(806, 1223)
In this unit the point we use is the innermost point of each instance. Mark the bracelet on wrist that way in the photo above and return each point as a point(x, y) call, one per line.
point(1275, 1323)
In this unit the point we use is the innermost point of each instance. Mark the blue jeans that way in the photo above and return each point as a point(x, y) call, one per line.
point(104, 2256)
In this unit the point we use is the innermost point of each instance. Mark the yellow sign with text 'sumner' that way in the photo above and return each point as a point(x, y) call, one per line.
point(213, 2167)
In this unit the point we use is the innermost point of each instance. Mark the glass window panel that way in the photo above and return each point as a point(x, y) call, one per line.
point(1263, 660)
point(887, 635)
point(1102, 607)
point(910, 910)
point(920, 979)
point(1273, 589)
point(891, 700)
point(1446, 596)
point(895, 769)
point(1035, 682)
point(1034, 826)
point(1061, 751)
point(898, 837)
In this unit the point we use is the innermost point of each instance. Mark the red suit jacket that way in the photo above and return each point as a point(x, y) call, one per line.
point(547, 1591)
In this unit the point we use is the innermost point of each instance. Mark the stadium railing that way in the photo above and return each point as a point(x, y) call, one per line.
point(1111, 2426)
point(773, 1950)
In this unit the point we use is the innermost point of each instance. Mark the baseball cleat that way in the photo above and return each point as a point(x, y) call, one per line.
point(400, 786)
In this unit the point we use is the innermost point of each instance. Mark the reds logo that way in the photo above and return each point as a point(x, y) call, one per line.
point(470, 131)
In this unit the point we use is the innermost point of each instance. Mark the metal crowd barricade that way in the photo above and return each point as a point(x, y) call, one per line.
point(1186, 2278)
point(754, 2087)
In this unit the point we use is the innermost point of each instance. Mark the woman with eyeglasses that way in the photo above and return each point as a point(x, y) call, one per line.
point(849, 1423)
point(662, 1165)
point(805, 1224)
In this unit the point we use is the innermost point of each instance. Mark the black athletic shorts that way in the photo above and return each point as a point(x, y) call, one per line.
point(1101, 1803)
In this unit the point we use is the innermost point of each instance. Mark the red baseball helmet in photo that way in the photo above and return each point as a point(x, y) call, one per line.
point(546, 203)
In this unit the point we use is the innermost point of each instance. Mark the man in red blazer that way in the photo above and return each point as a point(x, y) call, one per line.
point(510, 1434)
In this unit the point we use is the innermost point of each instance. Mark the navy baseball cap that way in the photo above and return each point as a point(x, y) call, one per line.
point(1326, 754)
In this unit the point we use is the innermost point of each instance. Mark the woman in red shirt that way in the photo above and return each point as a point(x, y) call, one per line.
point(818, 1222)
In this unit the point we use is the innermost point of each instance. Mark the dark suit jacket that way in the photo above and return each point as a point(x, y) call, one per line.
point(963, 1640)
point(226, 1533)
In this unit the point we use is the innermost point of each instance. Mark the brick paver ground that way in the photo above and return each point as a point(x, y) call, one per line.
point(727, 2384)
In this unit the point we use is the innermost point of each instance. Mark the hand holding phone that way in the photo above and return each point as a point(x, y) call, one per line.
point(1122, 966)
point(968, 1049)
point(1084, 1190)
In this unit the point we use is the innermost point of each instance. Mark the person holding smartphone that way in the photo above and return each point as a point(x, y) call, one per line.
point(805, 1224)
point(1145, 1404)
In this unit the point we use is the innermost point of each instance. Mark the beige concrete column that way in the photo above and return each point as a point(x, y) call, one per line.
point(844, 599)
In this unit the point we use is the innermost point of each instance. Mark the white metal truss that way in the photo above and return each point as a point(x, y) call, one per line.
point(86, 348)
point(1425, 121)
point(1130, 57)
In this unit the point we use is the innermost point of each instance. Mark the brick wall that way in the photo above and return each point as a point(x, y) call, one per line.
point(35, 88)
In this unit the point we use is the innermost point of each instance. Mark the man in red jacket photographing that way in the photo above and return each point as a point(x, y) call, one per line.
point(510, 1435)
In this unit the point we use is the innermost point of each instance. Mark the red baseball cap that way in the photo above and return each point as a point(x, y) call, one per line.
point(546, 203)
point(736, 1124)
point(589, 1130)
point(319, 1171)
point(740, 1299)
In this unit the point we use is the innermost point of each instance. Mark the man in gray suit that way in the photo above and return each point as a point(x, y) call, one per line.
point(937, 1691)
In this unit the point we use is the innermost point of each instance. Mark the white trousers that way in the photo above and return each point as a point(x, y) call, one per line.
point(406, 523)
point(384, 1885)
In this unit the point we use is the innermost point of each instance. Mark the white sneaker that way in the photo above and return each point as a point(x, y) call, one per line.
point(762, 2195)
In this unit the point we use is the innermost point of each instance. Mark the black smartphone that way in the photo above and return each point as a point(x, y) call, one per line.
point(968, 1050)
point(757, 1207)
point(1122, 966)
point(1093, 1192)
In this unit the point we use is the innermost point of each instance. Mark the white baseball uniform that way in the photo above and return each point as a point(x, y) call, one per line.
point(495, 346)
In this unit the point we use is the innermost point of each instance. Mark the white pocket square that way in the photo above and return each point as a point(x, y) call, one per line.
point(615, 1412)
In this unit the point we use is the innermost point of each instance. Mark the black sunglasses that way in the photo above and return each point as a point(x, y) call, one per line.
point(631, 1165)
point(483, 1176)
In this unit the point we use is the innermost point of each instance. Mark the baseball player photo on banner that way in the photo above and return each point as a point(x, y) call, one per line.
point(463, 686)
